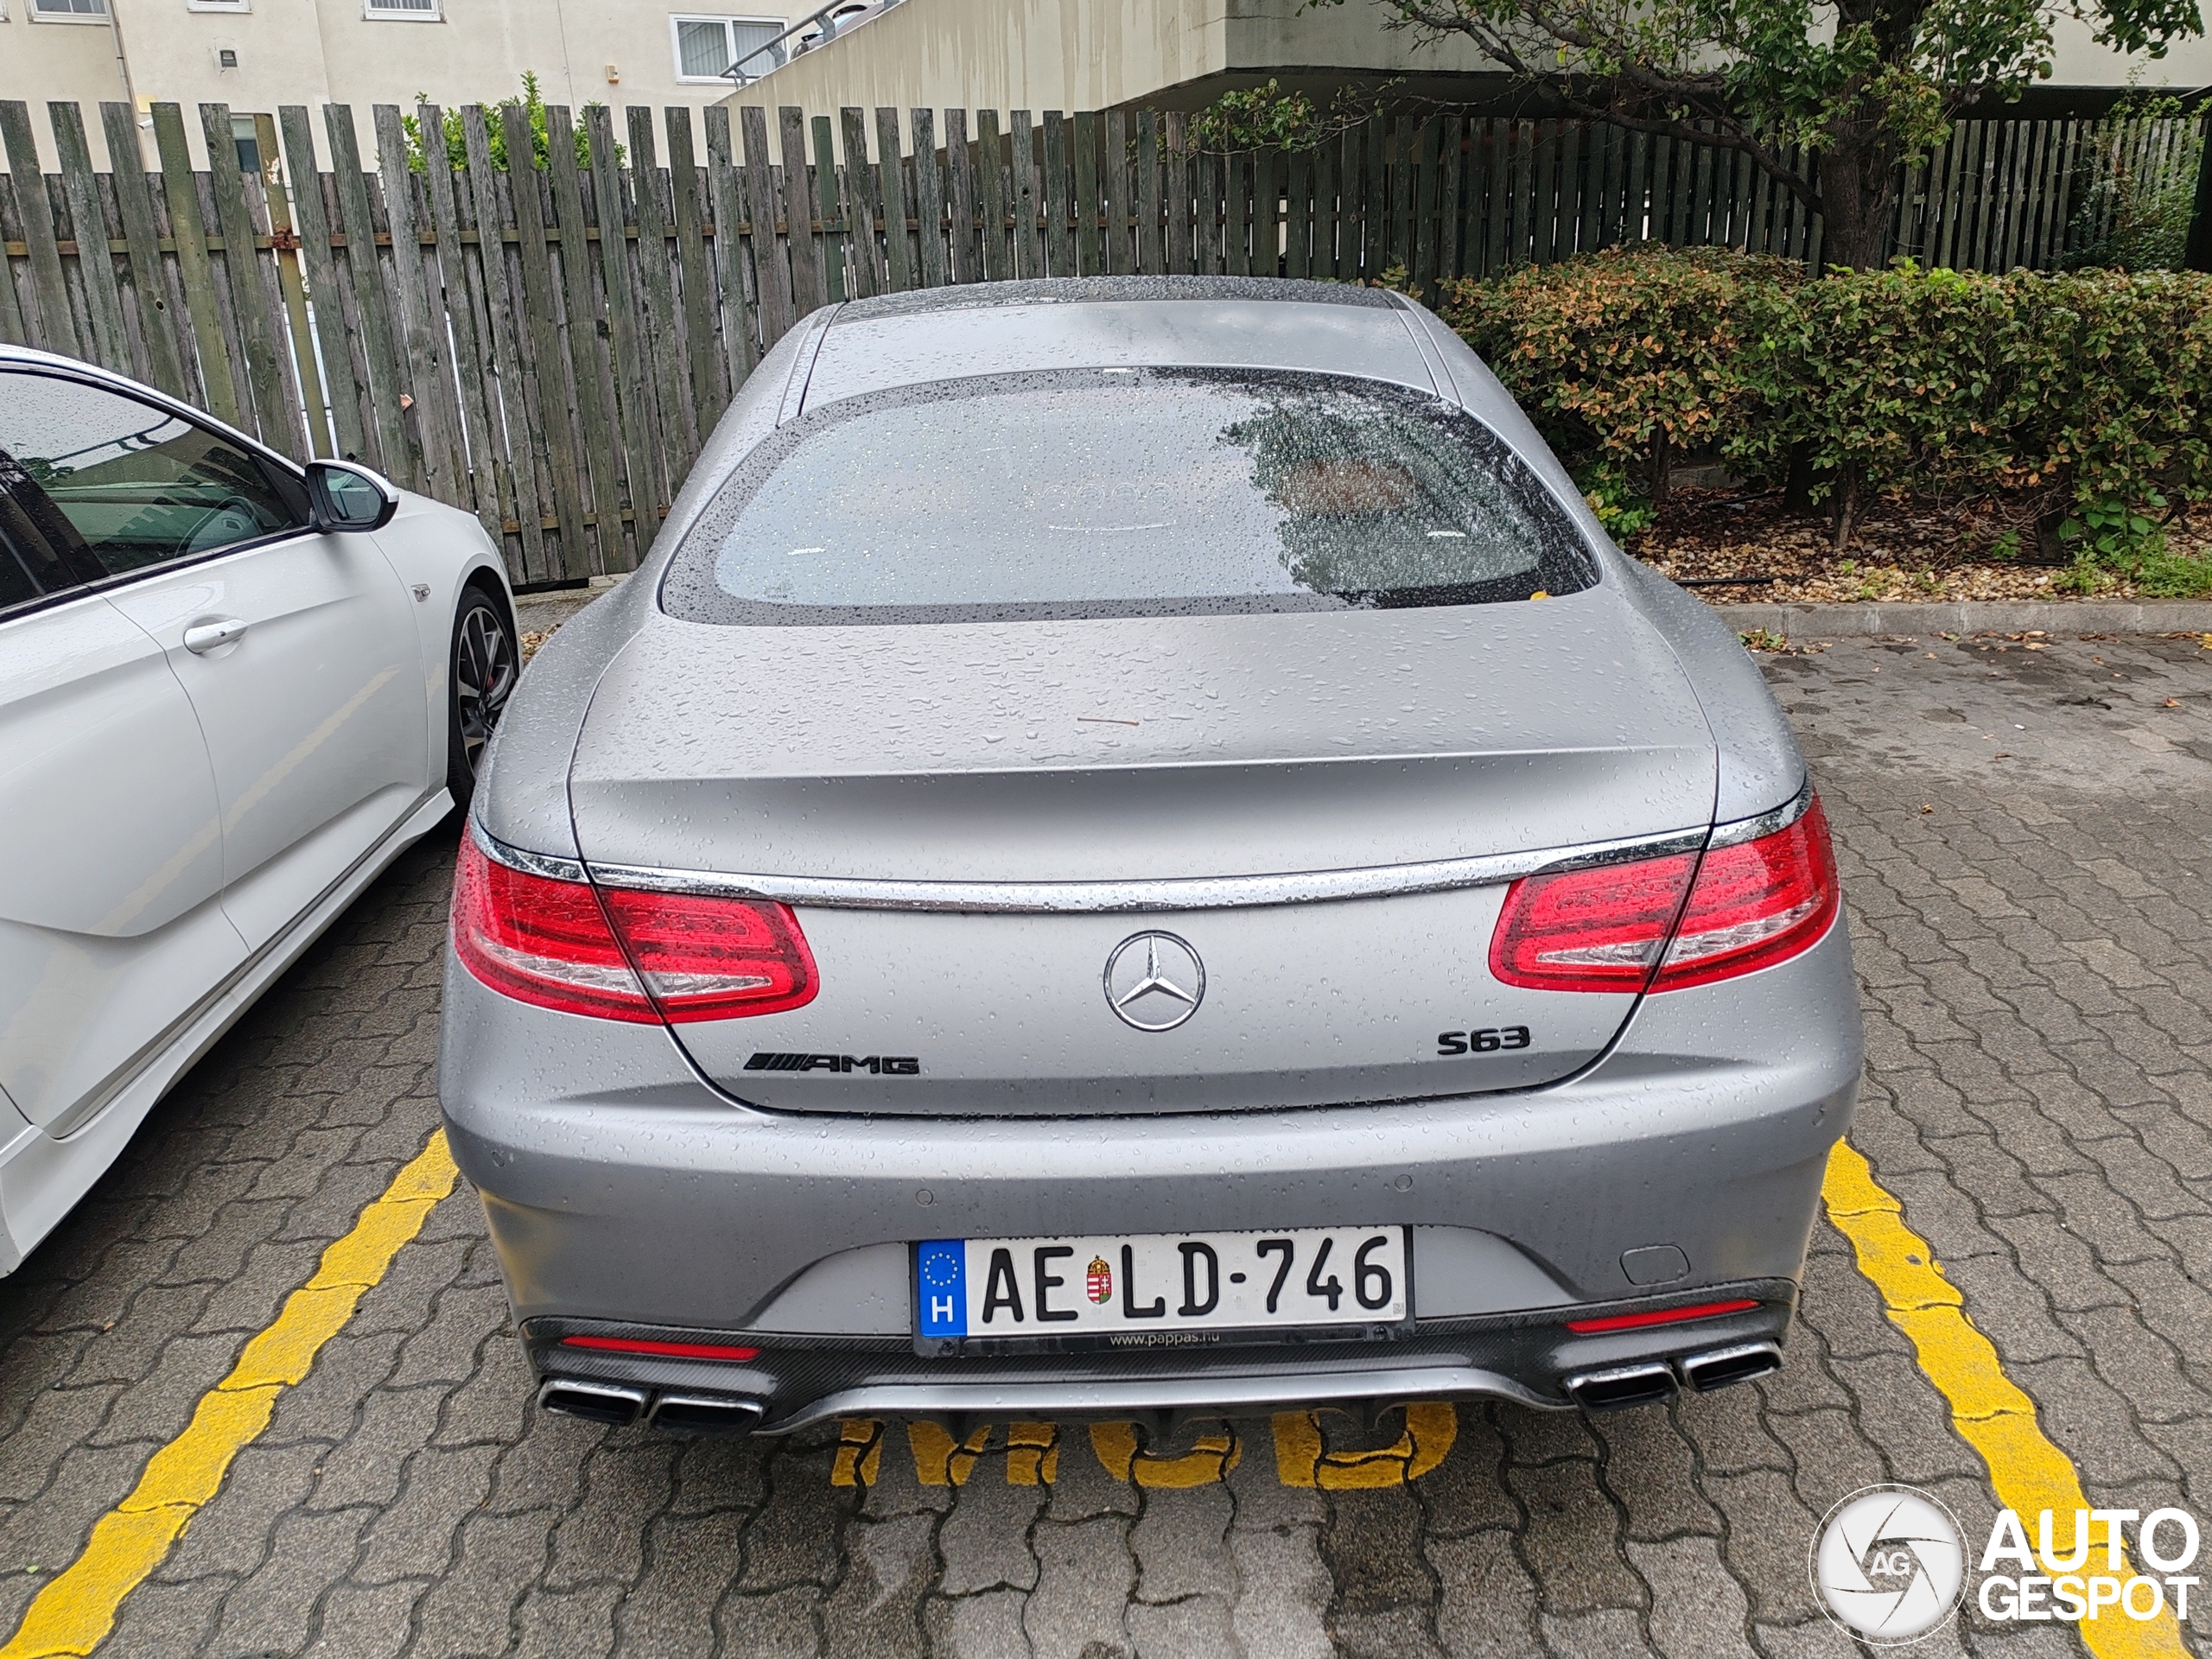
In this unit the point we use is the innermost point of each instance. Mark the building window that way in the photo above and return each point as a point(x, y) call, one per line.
point(68, 11)
point(706, 47)
point(217, 5)
point(403, 11)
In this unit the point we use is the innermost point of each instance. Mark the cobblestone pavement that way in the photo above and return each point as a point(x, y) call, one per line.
point(2023, 835)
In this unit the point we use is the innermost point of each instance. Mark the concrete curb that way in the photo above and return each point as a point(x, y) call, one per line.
point(1974, 616)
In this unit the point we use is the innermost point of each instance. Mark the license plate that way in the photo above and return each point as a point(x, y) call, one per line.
point(1162, 1290)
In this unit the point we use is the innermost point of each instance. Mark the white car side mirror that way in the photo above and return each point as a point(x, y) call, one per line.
point(342, 496)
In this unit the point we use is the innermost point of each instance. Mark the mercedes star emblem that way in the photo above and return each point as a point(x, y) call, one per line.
point(1154, 982)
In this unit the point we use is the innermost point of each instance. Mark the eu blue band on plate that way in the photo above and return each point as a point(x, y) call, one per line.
point(941, 1279)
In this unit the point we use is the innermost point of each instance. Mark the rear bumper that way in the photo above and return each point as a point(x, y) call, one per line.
point(796, 1382)
point(625, 1195)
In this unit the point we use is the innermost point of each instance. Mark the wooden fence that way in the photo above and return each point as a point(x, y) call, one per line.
point(548, 346)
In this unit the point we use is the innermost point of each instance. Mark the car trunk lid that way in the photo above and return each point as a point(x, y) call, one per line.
point(971, 819)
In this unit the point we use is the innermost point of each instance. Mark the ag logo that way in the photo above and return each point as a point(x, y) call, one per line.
point(1888, 1565)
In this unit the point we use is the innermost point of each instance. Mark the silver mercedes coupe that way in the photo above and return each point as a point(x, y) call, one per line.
point(1134, 847)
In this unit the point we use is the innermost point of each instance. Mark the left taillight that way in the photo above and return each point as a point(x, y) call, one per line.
point(618, 953)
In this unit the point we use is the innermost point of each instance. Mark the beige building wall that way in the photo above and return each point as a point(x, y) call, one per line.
point(1080, 55)
point(316, 52)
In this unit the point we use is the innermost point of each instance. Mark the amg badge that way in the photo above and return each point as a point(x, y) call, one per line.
point(882, 1066)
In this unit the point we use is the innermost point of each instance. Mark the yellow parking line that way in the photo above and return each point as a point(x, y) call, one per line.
point(1990, 1414)
point(76, 1610)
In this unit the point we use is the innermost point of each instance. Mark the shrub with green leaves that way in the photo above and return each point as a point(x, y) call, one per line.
point(531, 102)
point(1628, 356)
point(2083, 399)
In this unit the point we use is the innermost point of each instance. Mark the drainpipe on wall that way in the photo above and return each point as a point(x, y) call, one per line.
point(123, 69)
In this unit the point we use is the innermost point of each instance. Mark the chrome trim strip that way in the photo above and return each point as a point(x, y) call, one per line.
point(1765, 823)
point(1175, 893)
point(553, 869)
point(1227, 1394)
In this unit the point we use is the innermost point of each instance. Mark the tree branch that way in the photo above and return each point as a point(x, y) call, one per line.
point(1703, 92)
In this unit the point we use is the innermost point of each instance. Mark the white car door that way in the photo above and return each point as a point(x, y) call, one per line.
point(112, 926)
point(298, 650)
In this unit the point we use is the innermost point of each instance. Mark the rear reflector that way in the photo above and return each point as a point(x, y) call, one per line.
point(1661, 1316)
point(1666, 924)
point(662, 1350)
point(620, 954)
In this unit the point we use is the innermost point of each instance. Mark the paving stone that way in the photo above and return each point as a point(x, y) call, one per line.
point(793, 1537)
point(558, 1624)
point(272, 1608)
point(1489, 1598)
point(1286, 1591)
point(983, 1540)
point(376, 1622)
point(876, 1608)
point(470, 1605)
point(416, 1531)
point(1650, 1472)
point(985, 1626)
point(1181, 1542)
point(1769, 1530)
point(232, 1535)
point(1696, 1608)
point(1201, 1624)
point(163, 1617)
point(603, 1538)
point(52, 1418)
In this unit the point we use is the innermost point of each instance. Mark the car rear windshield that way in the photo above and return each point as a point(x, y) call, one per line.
point(1123, 492)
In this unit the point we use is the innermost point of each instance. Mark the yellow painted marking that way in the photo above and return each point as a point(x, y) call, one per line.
point(1210, 1459)
point(1033, 1453)
point(859, 1453)
point(939, 1460)
point(2028, 1473)
point(75, 1612)
point(1302, 1458)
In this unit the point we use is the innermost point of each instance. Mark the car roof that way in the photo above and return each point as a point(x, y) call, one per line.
point(1109, 321)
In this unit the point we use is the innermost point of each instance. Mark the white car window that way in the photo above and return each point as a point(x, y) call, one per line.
point(138, 486)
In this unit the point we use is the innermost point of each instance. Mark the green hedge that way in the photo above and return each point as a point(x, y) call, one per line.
point(2082, 400)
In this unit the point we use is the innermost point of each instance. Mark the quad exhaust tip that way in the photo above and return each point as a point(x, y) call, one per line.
point(1653, 1383)
point(618, 1404)
point(597, 1402)
point(1717, 1369)
point(1622, 1387)
point(705, 1413)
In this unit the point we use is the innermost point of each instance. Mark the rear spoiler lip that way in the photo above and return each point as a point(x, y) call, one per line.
point(1165, 895)
point(1171, 895)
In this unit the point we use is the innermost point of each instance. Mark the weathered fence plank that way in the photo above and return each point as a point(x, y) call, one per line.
point(710, 387)
point(49, 292)
point(657, 286)
point(147, 278)
point(80, 189)
point(601, 477)
point(371, 303)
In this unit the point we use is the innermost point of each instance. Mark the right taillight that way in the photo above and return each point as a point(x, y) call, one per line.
point(1747, 907)
point(618, 953)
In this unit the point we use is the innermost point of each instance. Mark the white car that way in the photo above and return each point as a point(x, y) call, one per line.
point(232, 691)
